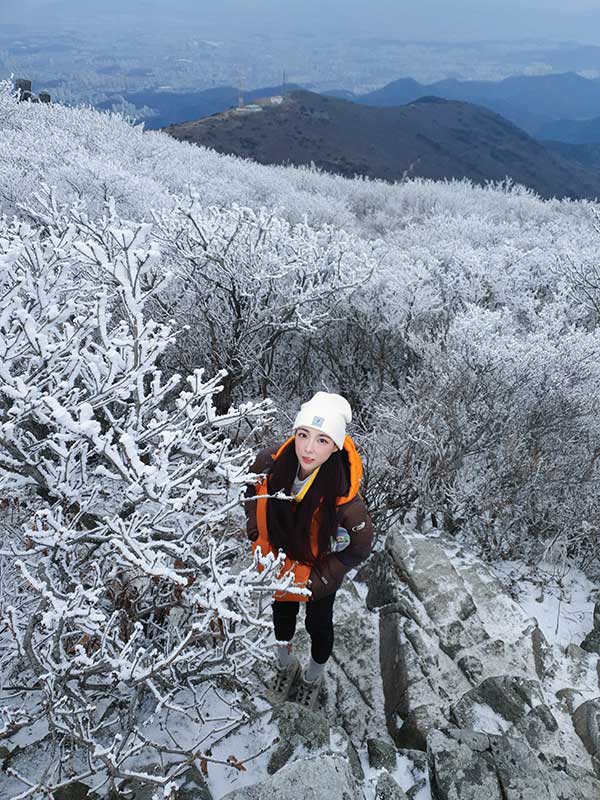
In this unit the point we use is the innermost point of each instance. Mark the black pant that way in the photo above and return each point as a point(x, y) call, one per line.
point(318, 623)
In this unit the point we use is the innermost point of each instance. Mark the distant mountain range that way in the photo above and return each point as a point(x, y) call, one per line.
point(430, 138)
point(531, 102)
point(560, 107)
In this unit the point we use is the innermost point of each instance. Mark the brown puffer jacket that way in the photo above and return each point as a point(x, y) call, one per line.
point(326, 575)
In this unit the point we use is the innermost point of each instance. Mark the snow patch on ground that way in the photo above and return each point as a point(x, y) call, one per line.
point(561, 601)
point(406, 775)
point(487, 720)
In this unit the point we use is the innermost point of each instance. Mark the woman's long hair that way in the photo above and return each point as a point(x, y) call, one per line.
point(288, 522)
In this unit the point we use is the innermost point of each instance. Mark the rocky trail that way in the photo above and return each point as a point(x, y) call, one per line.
point(441, 686)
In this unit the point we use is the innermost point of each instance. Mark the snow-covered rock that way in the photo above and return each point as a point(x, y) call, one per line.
point(457, 650)
point(388, 789)
point(591, 643)
point(309, 779)
point(465, 765)
point(586, 720)
point(298, 728)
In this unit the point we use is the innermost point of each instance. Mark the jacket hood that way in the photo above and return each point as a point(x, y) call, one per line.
point(354, 463)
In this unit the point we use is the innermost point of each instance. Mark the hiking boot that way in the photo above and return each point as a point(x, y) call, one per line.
point(307, 694)
point(283, 680)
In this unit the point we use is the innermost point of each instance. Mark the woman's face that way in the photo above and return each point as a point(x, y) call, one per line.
point(313, 448)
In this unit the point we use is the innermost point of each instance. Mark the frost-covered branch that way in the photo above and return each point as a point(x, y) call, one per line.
point(126, 560)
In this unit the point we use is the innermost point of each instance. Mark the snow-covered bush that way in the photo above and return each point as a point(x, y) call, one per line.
point(249, 288)
point(496, 432)
point(127, 629)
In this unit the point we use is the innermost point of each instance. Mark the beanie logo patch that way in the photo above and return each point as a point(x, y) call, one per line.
point(317, 422)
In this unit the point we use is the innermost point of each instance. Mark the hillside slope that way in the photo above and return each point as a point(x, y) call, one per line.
point(171, 108)
point(584, 155)
point(430, 138)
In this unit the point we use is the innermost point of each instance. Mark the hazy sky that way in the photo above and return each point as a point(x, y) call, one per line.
point(406, 19)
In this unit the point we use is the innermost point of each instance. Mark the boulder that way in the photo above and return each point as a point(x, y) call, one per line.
point(456, 649)
point(472, 668)
point(491, 599)
point(354, 761)
point(417, 764)
point(466, 765)
point(591, 643)
point(586, 721)
point(571, 782)
point(474, 740)
point(413, 732)
point(568, 699)
point(496, 702)
point(381, 754)
point(418, 758)
point(192, 786)
point(538, 727)
point(582, 666)
point(325, 776)
point(415, 790)
point(298, 727)
point(388, 789)
point(387, 588)
point(417, 679)
point(258, 791)
point(424, 567)
point(522, 776)
point(458, 772)
point(504, 656)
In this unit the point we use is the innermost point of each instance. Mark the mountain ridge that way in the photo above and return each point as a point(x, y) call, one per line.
point(528, 101)
point(172, 109)
point(431, 138)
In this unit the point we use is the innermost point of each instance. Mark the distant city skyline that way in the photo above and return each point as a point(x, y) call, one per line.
point(462, 20)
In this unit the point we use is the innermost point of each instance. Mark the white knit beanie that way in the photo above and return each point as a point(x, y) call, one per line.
point(326, 412)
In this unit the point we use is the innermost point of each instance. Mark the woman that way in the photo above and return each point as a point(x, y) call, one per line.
point(323, 527)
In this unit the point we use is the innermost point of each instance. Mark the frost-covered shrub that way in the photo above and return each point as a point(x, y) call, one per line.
point(124, 615)
point(249, 288)
point(496, 434)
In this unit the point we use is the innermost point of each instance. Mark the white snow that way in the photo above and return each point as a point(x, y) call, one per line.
point(562, 602)
point(487, 720)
